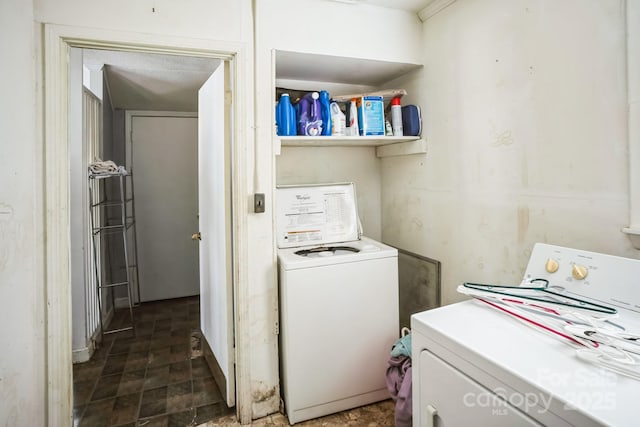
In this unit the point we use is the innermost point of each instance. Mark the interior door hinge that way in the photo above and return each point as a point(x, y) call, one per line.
point(277, 328)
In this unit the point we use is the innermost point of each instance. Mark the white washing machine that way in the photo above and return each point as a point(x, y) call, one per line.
point(338, 309)
point(474, 364)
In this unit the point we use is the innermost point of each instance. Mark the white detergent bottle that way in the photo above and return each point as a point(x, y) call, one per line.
point(353, 129)
point(338, 120)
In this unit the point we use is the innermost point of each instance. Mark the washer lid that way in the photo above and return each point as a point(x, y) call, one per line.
point(364, 249)
point(326, 251)
point(316, 214)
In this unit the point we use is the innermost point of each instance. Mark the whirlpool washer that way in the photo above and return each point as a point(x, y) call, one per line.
point(338, 321)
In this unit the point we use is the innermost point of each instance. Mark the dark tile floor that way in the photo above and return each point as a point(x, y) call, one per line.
point(154, 376)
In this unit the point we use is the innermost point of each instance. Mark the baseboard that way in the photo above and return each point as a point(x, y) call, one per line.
point(82, 355)
point(122, 302)
point(218, 375)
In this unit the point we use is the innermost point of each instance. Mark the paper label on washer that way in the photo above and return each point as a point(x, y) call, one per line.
point(321, 214)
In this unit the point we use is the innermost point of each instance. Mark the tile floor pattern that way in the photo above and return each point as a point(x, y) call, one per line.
point(377, 415)
point(156, 376)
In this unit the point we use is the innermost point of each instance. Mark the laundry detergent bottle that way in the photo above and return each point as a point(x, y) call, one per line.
point(285, 116)
point(303, 110)
point(338, 120)
point(314, 127)
point(325, 113)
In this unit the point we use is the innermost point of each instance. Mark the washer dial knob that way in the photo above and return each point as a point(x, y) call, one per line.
point(551, 266)
point(579, 272)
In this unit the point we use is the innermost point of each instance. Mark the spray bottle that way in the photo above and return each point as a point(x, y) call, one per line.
point(396, 116)
point(352, 129)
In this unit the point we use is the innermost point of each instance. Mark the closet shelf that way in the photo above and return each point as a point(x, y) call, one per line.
point(386, 146)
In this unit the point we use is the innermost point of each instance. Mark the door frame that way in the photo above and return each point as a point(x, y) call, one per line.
point(58, 39)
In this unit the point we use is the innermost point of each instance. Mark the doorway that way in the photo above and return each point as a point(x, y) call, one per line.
point(161, 155)
point(58, 41)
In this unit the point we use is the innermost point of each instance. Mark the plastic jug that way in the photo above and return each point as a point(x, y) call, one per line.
point(303, 109)
point(338, 120)
point(310, 118)
point(285, 116)
point(325, 113)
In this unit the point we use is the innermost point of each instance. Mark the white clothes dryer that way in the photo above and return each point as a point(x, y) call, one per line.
point(338, 322)
point(474, 364)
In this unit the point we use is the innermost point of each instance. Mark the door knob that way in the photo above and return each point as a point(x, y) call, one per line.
point(196, 236)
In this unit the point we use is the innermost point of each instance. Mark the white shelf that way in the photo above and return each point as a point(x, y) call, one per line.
point(299, 66)
point(341, 141)
point(633, 233)
point(386, 146)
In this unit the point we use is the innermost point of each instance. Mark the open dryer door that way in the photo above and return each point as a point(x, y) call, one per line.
point(214, 206)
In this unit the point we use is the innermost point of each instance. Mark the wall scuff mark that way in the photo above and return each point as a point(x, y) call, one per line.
point(523, 222)
point(7, 233)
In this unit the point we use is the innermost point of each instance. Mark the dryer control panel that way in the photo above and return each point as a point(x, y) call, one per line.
point(606, 278)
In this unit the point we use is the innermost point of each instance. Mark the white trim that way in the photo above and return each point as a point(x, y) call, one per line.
point(57, 41)
point(81, 355)
point(84, 354)
point(433, 8)
point(633, 111)
point(57, 245)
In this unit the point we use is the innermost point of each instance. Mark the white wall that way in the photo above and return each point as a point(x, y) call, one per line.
point(524, 107)
point(214, 20)
point(22, 369)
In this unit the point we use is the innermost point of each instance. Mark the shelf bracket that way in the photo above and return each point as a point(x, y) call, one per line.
point(402, 148)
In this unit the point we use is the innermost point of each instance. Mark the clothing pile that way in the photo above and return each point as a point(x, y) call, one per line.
point(106, 167)
point(399, 379)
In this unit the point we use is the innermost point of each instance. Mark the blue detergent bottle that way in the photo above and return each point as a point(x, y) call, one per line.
point(325, 112)
point(285, 116)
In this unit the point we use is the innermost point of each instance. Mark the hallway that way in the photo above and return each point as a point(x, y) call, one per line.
point(158, 377)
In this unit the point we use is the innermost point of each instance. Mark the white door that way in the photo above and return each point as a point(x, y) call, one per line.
point(164, 164)
point(214, 207)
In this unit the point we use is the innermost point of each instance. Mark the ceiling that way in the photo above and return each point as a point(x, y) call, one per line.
point(147, 81)
point(410, 5)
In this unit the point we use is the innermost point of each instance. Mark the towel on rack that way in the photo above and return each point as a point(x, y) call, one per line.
point(106, 167)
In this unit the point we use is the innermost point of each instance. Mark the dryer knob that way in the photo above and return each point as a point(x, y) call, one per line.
point(552, 265)
point(579, 272)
